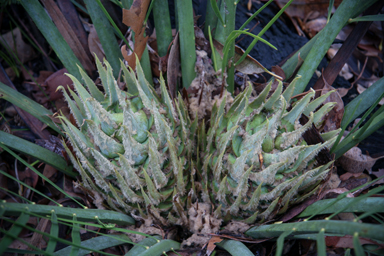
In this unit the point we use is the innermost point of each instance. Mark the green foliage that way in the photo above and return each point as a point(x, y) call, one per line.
point(358, 134)
point(128, 153)
point(102, 173)
point(37, 152)
point(105, 34)
point(331, 227)
point(247, 153)
point(162, 21)
point(52, 35)
point(346, 10)
point(187, 41)
point(25, 103)
point(235, 247)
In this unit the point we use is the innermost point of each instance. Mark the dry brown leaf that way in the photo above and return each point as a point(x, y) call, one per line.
point(379, 173)
point(212, 244)
point(11, 73)
point(345, 241)
point(36, 126)
point(306, 9)
point(134, 18)
point(368, 81)
point(62, 109)
point(158, 64)
point(27, 73)
point(371, 50)
point(344, 91)
point(68, 34)
point(14, 41)
point(314, 26)
point(59, 78)
point(334, 117)
point(337, 191)
point(71, 14)
point(202, 43)
point(94, 44)
point(27, 176)
point(361, 89)
point(356, 162)
point(43, 76)
point(278, 71)
point(348, 175)
point(354, 182)
point(50, 173)
point(20, 244)
point(249, 5)
point(250, 65)
point(37, 238)
point(50, 85)
point(173, 66)
point(300, 11)
point(140, 44)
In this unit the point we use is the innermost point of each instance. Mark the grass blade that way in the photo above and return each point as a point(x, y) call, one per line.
point(364, 205)
point(143, 245)
point(370, 95)
point(345, 10)
point(37, 152)
point(97, 243)
point(39, 174)
point(359, 251)
point(13, 232)
point(210, 19)
point(330, 226)
point(280, 242)
point(330, 6)
point(52, 35)
point(163, 26)
point(76, 238)
point(187, 41)
point(106, 35)
point(161, 247)
point(235, 247)
point(216, 10)
point(370, 127)
point(321, 248)
point(15, 209)
point(25, 103)
point(46, 235)
point(51, 246)
point(117, 30)
point(377, 17)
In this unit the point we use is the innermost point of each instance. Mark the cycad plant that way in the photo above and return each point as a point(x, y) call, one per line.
point(166, 162)
point(141, 152)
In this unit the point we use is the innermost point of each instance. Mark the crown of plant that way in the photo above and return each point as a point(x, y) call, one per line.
point(255, 163)
point(133, 149)
point(138, 153)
